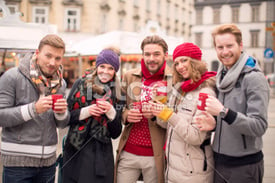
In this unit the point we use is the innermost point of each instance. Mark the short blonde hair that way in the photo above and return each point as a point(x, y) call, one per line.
point(227, 28)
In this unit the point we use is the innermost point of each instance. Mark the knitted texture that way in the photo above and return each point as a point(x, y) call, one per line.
point(188, 50)
point(108, 57)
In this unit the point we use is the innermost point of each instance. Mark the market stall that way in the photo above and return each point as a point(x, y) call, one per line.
point(18, 38)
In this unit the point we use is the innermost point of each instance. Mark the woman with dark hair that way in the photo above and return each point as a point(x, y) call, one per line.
point(95, 106)
point(188, 152)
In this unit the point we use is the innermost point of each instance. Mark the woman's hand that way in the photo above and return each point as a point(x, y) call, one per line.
point(134, 116)
point(94, 110)
point(156, 107)
point(205, 122)
point(104, 105)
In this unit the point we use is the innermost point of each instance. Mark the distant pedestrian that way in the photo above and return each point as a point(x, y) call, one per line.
point(241, 110)
point(28, 117)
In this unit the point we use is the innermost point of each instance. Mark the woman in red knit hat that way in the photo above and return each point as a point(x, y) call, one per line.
point(188, 152)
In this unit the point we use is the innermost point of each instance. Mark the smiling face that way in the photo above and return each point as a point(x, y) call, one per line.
point(182, 66)
point(105, 72)
point(49, 59)
point(227, 48)
point(154, 57)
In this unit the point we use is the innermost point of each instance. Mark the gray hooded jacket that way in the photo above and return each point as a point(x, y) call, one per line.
point(245, 91)
point(28, 139)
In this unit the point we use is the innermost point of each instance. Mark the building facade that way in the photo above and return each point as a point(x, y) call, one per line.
point(252, 16)
point(100, 16)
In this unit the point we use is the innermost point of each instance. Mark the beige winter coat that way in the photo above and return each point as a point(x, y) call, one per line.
point(185, 158)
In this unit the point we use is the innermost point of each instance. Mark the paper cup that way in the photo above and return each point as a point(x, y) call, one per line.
point(201, 102)
point(55, 97)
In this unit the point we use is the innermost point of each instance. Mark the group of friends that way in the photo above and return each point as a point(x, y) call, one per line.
point(169, 140)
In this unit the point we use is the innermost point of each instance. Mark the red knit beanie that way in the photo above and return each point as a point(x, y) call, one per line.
point(188, 50)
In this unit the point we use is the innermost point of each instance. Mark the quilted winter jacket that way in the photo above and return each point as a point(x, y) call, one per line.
point(28, 138)
point(185, 158)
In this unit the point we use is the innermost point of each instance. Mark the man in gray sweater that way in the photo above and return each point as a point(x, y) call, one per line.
point(28, 119)
point(241, 110)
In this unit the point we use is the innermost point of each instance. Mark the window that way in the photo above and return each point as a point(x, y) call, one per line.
point(72, 19)
point(104, 23)
point(168, 10)
point(235, 14)
point(254, 38)
point(214, 65)
point(13, 8)
point(255, 13)
point(216, 16)
point(147, 5)
point(198, 16)
point(135, 2)
point(159, 7)
point(136, 26)
point(176, 12)
point(198, 39)
point(121, 24)
point(40, 14)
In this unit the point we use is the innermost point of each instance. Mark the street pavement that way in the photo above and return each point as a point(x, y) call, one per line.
point(268, 146)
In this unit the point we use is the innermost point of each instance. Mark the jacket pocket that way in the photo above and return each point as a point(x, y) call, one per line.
point(244, 141)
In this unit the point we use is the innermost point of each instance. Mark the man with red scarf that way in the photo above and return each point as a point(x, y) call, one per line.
point(141, 144)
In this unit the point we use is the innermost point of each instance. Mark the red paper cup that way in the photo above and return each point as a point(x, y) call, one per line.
point(201, 102)
point(55, 97)
point(137, 106)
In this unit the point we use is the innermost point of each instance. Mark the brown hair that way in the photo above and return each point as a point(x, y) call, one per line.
point(196, 69)
point(154, 40)
point(52, 40)
point(227, 28)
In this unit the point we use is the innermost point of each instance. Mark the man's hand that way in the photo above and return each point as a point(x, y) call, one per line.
point(60, 106)
point(43, 104)
point(213, 105)
point(134, 116)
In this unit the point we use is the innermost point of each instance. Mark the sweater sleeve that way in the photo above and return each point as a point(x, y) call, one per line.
point(12, 113)
point(115, 125)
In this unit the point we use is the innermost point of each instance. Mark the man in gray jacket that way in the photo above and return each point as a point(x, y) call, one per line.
point(28, 121)
point(241, 110)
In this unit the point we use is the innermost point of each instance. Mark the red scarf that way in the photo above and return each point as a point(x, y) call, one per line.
point(150, 78)
point(187, 86)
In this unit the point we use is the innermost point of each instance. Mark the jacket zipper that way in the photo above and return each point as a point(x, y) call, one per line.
point(168, 155)
point(219, 147)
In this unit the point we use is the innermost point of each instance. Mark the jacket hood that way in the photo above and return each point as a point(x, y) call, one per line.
point(24, 65)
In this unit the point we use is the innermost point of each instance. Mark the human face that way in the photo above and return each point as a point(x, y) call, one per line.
point(182, 65)
point(154, 57)
point(105, 72)
point(227, 48)
point(49, 59)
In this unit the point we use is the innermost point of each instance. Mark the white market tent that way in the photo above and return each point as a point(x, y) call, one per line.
point(16, 34)
point(128, 42)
